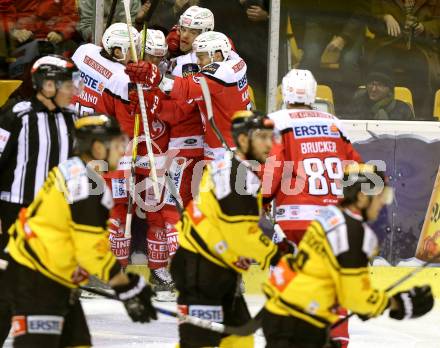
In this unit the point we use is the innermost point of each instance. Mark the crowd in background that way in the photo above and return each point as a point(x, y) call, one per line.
point(344, 44)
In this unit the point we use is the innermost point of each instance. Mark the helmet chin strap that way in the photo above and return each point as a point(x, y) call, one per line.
point(52, 99)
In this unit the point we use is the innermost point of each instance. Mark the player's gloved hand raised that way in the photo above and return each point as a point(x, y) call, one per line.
point(136, 296)
point(144, 72)
point(412, 303)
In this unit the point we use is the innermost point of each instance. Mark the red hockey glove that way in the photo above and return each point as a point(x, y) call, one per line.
point(144, 72)
point(173, 41)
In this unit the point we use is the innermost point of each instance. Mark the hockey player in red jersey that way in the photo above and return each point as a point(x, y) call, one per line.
point(306, 169)
point(226, 77)
point(186, 129)
point(109, 90)
point(194, 21)
point(102, 71)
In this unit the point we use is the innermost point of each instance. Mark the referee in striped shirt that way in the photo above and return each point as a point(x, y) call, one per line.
point(35, 135)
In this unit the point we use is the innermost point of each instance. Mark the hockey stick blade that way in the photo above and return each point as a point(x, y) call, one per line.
point(244, 330)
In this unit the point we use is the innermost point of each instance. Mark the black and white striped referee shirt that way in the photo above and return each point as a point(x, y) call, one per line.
point(32, 141)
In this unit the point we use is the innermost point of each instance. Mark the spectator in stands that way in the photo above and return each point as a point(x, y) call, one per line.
point(54, 21)
point(377, 102)
point(5, 42)
point(407, 40)
point(246, 23)
point(338, 28)
point(168, 12)
point(86, 25)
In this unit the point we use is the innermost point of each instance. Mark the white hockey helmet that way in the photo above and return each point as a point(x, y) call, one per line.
point(155, 44)
point(196, 17)
point(211, 42)
point(116, 35)
point(299, 87)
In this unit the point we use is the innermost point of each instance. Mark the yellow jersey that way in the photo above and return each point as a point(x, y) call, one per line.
point(63, 233)
point(221, 224)
point(329, 270)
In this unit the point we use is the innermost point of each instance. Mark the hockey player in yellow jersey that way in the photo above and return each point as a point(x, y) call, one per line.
point(331, 270)
point(219, 237)
point(62, 238)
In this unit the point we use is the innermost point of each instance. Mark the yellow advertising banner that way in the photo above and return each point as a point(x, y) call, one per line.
point(429, 240)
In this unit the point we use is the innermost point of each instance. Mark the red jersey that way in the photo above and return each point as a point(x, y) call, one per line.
point(229, 93)
point(310, 155)
point(106, 87)
point(186, 130)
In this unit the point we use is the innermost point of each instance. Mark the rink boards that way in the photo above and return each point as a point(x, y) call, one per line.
point(382, 277)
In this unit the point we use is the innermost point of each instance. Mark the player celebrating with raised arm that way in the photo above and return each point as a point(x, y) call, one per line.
point(226, 77)
point(219, 236)
point(102, 70)
point(51, 254)
point(331, 270)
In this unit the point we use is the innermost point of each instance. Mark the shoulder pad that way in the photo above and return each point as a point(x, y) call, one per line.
point(230, 71)
point(23, 106)
point(211, 68)
point(189, 69)
point(333, 222)
point(221, 176)
point(118, 84)
point(220, 164)
point(330, 217)
point(75, 177)
point(370, 245)
point(107, 199)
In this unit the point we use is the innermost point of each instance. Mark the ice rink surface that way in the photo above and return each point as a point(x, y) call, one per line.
point(111, 328)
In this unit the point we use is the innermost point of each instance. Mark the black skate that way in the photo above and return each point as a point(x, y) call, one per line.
point(163, 285)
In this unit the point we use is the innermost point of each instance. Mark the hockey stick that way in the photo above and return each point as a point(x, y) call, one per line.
point(132, 180)
point(255, 323)
point(111, 14)
point(208, 102)
point(394, 285)
point(244, 330)
point(142, 106)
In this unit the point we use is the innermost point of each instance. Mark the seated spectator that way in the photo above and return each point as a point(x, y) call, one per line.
point(86, 25)
point(338, 28)
point(377, 102)
point(250, 41)
point(407, 40)
point(54, 21)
